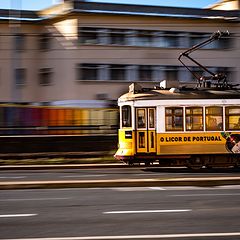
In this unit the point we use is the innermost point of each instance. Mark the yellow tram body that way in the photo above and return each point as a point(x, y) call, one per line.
point(180, 127)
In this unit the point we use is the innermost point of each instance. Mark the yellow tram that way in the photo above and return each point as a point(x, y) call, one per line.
point(191, 127)
point(180, 126)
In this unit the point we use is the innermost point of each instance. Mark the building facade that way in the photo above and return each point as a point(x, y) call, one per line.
point(83, 52)
point(226, 5)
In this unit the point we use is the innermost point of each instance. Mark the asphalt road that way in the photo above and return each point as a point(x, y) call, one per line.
point(110, 174)
point(121, 213)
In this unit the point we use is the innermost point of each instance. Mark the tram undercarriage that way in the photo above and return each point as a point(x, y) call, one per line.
point(189, 161)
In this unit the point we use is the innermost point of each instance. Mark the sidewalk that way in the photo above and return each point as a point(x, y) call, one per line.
point(156, 182)
point(62, 166)
point(153, 182)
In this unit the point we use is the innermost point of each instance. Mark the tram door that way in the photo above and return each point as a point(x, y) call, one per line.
point(146, 130)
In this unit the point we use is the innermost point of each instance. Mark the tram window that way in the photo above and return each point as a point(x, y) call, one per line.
point(151, 118)
point(194, 118)
point(174, 119)
point(141, 118)
point(232, 118)
point(126, 116)
point(214, 118)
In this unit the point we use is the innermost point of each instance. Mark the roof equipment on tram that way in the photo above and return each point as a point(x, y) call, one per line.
point(217, 79)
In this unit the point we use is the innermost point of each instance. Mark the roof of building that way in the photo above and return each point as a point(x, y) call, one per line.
point(19, 15)
point(79, 6)
point(222, 4)
point(133, 9)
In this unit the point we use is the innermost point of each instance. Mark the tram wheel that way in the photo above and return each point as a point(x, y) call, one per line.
point(130, 163)
point(147, 163)
point(237, 165)
point(195, 163)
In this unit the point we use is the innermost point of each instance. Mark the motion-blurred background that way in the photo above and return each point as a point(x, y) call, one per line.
point(62, 68)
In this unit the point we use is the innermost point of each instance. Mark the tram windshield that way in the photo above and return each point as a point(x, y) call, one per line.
point(126, 116)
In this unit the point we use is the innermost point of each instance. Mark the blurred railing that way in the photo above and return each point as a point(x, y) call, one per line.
point(67, 144)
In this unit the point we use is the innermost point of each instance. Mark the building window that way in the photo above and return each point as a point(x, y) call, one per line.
point(194, 119)
point(89, 35)
point(117, 36)
point(232, 118)
point(20, 76)
point(171, 73)
point(196, 38)
point(45, 76)
point(174, 119)
point(45, 42)
point(117, 72)
point(166, 39)
point(144, 38)
point(214, 118)
point(145, 73)
point(20, 42)
point(171, 39)
point(149, 38)
point(87, 71)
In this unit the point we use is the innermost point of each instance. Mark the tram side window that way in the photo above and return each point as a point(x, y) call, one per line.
point(214, 118)
point(126, 116)
point(232, 118)
point(174, 119)
point(151, 118)
point(141, 118)
point(194, 118)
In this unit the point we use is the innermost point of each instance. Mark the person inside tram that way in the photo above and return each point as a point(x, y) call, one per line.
point(141, 123)
point(213, 124)
point(237, 125)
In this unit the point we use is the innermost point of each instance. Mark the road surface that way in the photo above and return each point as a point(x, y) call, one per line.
point(121, 213)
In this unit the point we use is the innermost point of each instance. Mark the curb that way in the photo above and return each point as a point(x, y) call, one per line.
point(63, 166)
point(201, 182)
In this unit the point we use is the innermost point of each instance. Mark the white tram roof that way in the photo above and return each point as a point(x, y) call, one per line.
point(179, 93)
